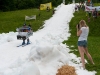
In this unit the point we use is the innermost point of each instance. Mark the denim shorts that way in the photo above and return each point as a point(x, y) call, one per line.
point(82, 43)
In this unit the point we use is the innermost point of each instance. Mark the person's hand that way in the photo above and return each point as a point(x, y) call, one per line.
point(78, 26)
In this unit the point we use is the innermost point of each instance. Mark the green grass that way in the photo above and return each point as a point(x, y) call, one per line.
point(9, 21)
point(96, 4)
point(93, 39)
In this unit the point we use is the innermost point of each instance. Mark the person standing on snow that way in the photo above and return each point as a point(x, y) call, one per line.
point(29, 28)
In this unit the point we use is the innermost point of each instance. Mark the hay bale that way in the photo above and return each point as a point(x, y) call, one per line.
point(66, 70)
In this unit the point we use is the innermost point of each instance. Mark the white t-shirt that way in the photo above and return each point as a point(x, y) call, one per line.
point(84, 34)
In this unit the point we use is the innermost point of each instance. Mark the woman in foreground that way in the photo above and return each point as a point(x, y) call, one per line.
point(82, 32)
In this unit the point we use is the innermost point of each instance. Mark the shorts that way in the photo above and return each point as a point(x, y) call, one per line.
point(82, 43)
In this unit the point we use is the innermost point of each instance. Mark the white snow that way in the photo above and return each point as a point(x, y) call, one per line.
point(46, 53)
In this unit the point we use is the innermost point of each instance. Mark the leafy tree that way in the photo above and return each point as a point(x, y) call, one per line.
point(9, 5)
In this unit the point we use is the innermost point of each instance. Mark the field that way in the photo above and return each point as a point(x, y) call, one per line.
point(9, 21)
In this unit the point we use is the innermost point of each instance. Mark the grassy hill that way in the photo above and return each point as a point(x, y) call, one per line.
point(9, 21)
point(93, 39)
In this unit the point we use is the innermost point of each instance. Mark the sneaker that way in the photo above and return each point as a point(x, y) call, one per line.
point(28, 43)
point(23, 43)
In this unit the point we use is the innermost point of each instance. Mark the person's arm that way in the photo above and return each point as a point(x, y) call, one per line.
point(79, 32)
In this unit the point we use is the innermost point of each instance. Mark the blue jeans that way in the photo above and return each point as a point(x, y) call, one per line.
point(82, 43)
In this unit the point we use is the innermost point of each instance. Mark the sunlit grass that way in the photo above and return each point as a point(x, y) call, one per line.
point(9, 21)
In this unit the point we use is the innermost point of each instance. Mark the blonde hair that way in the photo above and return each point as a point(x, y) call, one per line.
point(83, 23)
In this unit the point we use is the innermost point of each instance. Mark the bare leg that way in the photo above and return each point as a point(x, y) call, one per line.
point(88, 55)
point(81, 51)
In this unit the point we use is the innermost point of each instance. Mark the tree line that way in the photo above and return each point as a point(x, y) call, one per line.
point(10, 5)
